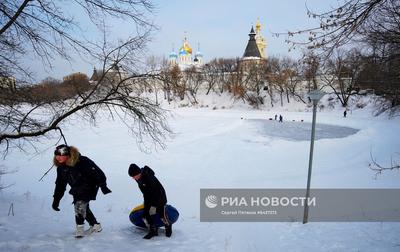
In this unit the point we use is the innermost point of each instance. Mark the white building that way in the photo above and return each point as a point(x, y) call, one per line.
point(184, 58)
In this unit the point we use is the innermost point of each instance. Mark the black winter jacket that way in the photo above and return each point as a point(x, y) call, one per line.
point(84, 178)
point(153, 191)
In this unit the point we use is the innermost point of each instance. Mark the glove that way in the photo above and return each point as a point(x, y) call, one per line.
point(55, 205)
point(152, 210)
point(105, 190)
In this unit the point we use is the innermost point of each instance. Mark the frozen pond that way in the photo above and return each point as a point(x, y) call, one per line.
point(300, 131)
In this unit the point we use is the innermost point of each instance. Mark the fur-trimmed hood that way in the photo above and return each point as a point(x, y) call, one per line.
point(72, 160)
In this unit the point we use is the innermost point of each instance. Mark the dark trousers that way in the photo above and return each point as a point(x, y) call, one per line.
point(83, 212)
point(149, 215)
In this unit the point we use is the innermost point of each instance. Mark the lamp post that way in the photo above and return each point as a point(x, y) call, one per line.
point(315, 96)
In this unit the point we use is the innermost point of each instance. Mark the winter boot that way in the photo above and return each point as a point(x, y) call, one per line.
point(80, 231)
point(96, 228)
point(153, 232)
point(168, 230)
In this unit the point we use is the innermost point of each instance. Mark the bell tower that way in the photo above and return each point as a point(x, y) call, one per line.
point(261, 42)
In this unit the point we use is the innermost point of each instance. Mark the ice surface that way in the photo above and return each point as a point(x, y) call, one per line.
point(300, 131)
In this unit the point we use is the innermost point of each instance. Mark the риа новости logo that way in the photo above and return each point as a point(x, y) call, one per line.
point(211, 201)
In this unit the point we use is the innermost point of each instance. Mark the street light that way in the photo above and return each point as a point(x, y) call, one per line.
point(315, 96)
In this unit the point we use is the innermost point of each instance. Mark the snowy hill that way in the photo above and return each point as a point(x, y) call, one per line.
point(230, 146)
point(216, 101)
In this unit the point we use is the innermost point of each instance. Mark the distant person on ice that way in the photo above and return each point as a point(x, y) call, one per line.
point(345, 113)
point(155, 198)
point(276, 116)
point(84, 177)
point(280, 118)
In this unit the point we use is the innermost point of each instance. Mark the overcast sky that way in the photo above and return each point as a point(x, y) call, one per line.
point(220, 26)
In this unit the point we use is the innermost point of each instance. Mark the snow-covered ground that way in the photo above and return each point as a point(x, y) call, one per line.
point(211, 148)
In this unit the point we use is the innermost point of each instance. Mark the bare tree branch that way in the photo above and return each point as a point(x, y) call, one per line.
point(338, 26)
point(13, 18)
point(48, 29)
point(379, 169)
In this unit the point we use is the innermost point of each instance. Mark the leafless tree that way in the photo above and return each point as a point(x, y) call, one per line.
point(178, 87)
point(237, 82)
point(341, 25)
point(311, 69)
point(112, 93)
point(372, 22)
point(48, 30)
point(381, 72)
point(378, 168)
point(373, 25)
point(211, 74)
point(225, 67)
point(341, 72)
point(194, 79)
point(382, 24)
point(257, 78)
point(218, 73)
point(155, 66)
point(293, 71)
point(278, 76)
point(165, 77)
point(254, 82)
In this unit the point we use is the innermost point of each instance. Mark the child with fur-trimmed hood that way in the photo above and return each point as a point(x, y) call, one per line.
point(85, 178)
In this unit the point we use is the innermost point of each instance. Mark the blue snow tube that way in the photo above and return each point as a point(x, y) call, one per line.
point(136, 216)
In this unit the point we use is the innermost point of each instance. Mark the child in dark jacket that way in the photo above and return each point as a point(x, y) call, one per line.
point(154, 197)
point(85, 178)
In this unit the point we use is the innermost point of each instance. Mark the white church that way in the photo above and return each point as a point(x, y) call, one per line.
point(185, 58)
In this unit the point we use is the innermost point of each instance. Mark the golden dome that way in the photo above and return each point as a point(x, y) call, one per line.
point(258, 26)
point(185, 49)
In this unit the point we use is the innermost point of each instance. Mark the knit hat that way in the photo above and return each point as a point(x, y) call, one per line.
point(134, 170)
point(62, 150)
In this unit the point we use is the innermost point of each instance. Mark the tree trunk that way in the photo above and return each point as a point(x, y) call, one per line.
point(287, 96)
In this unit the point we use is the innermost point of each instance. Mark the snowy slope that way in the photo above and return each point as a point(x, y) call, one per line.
point(220, 148)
